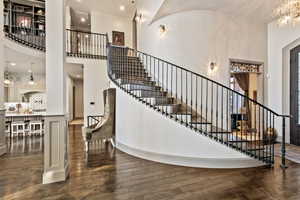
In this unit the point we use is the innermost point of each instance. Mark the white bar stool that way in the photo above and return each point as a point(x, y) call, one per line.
point(7, 128)
point(36, 127)
point(17, 128)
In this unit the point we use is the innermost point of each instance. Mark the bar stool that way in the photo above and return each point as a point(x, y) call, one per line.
point(17, 128)
point(36, 127)
point(8, 128)
point(27, 126)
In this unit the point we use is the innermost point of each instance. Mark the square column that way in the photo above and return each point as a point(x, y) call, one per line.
point(2, 65)
point(56, 164)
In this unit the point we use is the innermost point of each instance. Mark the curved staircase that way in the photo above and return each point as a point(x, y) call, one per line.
point(194, 101)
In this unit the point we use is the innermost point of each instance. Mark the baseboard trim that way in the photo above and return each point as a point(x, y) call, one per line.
point(56, 176)
point(217, 163)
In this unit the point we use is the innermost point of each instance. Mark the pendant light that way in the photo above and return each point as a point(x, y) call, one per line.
point(6, 78)
point(31, 79)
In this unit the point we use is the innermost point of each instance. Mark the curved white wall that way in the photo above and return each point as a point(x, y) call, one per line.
point(145, 133)
point(195, 38)
point(23, 49)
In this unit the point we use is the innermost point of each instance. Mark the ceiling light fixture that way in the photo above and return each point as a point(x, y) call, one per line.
point(83, 19)
point(288, 12)
point(31, 79)
point(122, 8)
point(13, 64)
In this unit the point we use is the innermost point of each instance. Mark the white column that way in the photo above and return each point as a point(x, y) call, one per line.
point(56, 165)
point(2, 63)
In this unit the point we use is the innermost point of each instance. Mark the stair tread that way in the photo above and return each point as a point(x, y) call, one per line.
point(179, 113)
point(238, 141)
point(257, 149)
point(167, 105)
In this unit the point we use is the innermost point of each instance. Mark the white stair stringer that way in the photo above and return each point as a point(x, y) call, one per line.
point(146, 133)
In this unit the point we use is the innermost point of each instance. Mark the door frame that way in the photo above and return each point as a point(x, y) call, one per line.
point(294, 98)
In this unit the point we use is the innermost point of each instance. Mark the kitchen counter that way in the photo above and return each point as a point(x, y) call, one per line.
point(25, 114)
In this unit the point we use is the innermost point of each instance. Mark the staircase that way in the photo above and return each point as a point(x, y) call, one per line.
point(192, 100)
point(203, 105)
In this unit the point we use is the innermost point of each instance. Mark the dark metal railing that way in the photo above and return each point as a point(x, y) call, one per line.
point(94, 120)
point(197, 102)
point(30, 37)
point(85, 44)
point(78, 43)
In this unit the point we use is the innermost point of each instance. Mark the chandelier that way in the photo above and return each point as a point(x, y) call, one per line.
point(288, 12)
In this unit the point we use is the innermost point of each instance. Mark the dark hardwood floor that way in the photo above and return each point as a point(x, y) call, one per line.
point(111, 175)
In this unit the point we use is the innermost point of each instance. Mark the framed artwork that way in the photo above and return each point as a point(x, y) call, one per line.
point(118, 38)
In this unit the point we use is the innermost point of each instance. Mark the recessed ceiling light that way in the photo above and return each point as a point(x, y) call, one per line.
point(29, 71)
point(82, 19)
point(13, 64)
point(122, 8)
point(78, 75)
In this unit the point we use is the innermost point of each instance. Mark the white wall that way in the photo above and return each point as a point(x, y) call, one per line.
point(195, 38)
point(168, 141)
point(95, 80)
point(281, 39)
point(104, 23)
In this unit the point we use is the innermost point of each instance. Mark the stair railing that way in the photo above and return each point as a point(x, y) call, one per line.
point(86, 44)
point(197, 102)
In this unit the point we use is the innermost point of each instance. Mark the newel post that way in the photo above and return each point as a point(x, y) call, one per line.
point(283, 150)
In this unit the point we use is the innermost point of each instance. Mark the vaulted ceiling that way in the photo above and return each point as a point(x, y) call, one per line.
point(260, 11)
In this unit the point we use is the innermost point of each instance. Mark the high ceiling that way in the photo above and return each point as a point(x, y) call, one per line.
point(19, 63)
point(111, 7)
point(259, 10)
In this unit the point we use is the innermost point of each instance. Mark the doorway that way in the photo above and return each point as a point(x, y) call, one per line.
point(294, 96)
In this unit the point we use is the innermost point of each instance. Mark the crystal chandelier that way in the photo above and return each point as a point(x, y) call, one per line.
point(288, 12)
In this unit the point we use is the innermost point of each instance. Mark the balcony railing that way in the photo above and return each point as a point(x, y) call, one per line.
point(85, 44)
point(79, 44)
point(33, 38)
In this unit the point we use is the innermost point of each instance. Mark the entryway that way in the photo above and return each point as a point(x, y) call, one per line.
point(294, 96)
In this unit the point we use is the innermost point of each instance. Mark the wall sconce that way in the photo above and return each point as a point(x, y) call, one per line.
point(138, 17)
point(162, 30)
point(212, 67)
